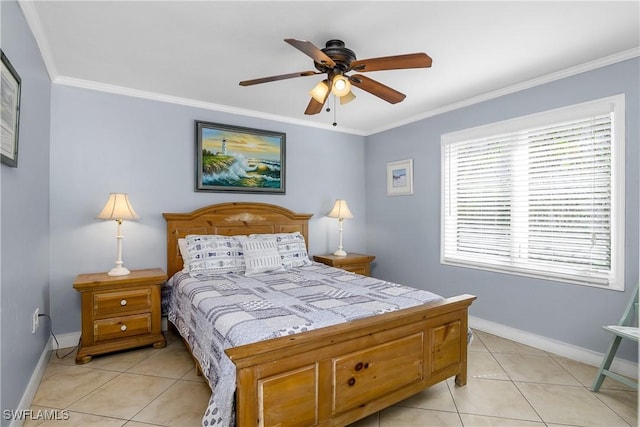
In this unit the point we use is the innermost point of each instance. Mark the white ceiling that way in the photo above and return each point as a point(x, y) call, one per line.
point(195, 53)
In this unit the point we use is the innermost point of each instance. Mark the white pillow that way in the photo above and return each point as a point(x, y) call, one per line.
point(212, 254)
point(261, 256)
point(291, 246)
point(184, 253)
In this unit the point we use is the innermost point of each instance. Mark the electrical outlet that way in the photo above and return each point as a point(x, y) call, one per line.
point(35, 322)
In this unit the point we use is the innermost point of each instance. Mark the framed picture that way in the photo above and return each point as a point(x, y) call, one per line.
point(239, 159)
point(9, 113)
point(400, 178)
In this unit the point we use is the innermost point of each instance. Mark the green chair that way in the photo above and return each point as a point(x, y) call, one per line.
point(624, 329)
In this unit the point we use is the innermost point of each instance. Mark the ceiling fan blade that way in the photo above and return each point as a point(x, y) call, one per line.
point(314, 107)
point(397, 62)
point(275, 78)
point(311, 50)
point(376, 88)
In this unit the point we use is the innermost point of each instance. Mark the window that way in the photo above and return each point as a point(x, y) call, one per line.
point(541, 195)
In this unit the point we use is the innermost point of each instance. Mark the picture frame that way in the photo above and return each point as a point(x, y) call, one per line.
point(239, 159)
point(9, 112)
point(400, 178)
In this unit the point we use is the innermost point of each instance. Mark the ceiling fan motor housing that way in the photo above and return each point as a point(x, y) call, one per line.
point(342, 56)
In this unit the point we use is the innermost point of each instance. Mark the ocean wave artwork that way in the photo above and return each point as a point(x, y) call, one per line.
point(237, 171)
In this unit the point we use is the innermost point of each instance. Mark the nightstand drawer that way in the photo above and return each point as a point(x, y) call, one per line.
point(110, 303)
point(120, 327)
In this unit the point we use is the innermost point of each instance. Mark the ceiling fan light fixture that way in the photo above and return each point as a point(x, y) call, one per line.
point(336, 60)
point(340, 85)
point(320, 91)
point(347, 98)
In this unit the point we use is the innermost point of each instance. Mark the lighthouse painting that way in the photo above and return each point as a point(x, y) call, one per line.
point(238, 159)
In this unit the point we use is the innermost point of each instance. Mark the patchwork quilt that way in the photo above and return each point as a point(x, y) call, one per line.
point(228, 310)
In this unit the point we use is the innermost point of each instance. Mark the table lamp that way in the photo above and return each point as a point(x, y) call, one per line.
point(119, 209)
point(341, 211)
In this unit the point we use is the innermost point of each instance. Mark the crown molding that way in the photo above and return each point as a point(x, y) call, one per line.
point(34, 23)
point(589, 66)
point(136, 93)
point(599, 63)
point(33, 20)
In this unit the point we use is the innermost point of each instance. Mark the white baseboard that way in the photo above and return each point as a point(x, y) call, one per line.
point(32, 385)
point(579, 354)
point(65, 340)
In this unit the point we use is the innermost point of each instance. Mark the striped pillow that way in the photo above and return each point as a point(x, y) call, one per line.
point(261, 256)
point(291, 246)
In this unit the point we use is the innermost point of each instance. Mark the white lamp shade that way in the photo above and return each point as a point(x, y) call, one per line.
point(347, 98)
point(320, 91)
point(340, 210)
point(118, 207)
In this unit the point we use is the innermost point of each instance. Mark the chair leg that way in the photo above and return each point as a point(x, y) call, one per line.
point(606, 363)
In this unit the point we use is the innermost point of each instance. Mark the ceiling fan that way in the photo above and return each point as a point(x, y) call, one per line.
point(335, 60)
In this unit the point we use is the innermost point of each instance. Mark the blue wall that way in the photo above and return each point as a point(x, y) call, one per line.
point(24, 218)
point(404, 231)
point(103, 143)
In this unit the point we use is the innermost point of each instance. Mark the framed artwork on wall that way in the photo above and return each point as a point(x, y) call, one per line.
point(400, 178)
point(239, 159)
point(9, 112)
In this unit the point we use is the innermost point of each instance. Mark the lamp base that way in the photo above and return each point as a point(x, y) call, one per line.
point(118, 271)
point(340, 252)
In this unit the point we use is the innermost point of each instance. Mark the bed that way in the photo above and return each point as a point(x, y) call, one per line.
point(332, 375)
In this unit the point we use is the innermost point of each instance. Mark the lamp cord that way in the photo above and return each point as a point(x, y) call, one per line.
point(56, 339)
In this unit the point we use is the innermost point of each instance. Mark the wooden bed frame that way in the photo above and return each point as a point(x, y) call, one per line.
point(335, 375)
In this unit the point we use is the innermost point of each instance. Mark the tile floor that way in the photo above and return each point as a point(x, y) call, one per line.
point(509, 384)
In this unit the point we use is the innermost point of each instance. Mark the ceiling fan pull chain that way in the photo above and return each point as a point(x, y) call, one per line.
point(335, 123)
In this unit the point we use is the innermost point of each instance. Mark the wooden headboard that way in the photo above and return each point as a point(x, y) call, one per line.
point(229, 219)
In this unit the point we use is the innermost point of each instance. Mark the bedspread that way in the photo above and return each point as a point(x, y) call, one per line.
point(229, 310)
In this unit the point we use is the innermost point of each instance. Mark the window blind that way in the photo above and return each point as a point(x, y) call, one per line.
point(536, 200)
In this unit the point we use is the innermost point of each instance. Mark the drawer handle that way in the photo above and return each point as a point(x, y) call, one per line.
point(351, 382)
point(123, 302)
point(361, 365)
point(123, 328)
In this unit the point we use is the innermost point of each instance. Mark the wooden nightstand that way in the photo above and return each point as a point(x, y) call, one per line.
point(119, 312)
point(356, 263)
